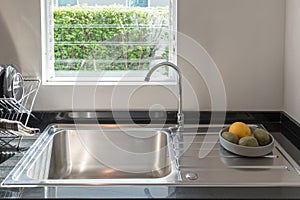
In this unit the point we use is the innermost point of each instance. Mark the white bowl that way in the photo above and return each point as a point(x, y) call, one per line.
point(244, 150)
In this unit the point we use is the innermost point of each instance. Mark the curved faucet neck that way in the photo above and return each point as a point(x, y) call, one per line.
point(180, 116)
point(147, 78)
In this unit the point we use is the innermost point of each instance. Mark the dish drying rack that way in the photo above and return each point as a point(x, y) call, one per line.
point(20, 110)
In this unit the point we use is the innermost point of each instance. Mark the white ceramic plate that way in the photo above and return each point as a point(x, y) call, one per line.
point(246, 151)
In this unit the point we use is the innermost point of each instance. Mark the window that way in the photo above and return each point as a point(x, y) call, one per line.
point(67, 2)
point(108, 40)
point(138, 3)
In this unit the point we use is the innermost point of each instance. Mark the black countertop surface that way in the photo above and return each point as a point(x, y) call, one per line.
point(283, 128)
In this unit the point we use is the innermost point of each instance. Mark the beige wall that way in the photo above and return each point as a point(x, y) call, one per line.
point(245, 38)
point(292, 61)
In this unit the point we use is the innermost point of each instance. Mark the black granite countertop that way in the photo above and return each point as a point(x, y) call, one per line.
point(283, 128)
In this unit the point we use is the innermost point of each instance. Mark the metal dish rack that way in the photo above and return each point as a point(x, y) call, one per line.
point(12, 109)
point(11, 192)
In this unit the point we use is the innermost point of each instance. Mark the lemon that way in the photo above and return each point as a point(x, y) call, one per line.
point(240, 129)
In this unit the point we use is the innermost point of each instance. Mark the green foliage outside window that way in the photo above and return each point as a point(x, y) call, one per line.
point(109, 38)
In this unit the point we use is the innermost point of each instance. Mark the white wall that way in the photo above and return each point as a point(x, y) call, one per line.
point(244, 37)
point(292, 61)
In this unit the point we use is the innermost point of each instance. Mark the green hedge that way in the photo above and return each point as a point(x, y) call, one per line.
point(84, 36)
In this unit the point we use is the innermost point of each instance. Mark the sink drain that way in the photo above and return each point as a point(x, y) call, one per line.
point(191, 176)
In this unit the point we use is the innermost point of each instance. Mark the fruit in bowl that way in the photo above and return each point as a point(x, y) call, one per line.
point(240, 129)
point(244, 140)
point(230, 137)
point(248, 141)
point(240, 133)
point(262, 136)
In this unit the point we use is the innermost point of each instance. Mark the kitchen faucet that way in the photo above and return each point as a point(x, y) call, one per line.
point(180, 115)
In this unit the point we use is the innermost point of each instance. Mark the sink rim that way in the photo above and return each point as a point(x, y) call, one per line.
point(19, 176)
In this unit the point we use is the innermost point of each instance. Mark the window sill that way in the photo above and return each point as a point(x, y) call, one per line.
point(109, 78)
point(108, 83)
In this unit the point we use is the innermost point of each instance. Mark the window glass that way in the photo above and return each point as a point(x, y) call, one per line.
point(112, 40)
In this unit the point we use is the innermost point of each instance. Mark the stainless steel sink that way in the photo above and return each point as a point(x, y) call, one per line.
point(128, 155)
point(93, 154)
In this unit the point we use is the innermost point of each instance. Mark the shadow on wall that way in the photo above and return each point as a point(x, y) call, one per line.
point(8, 52)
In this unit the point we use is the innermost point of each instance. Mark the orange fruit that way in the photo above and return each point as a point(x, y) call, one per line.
point(240, 129)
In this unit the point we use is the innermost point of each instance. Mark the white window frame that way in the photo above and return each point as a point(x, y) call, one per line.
point(101, 78)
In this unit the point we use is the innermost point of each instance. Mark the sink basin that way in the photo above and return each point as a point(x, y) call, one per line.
point(93, 154)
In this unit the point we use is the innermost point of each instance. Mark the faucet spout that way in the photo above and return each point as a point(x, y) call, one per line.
point(180, 115)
